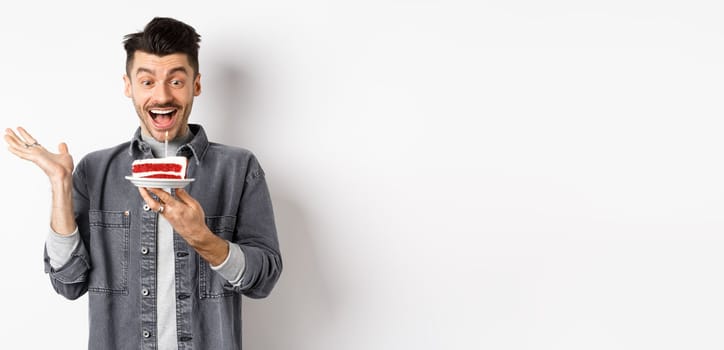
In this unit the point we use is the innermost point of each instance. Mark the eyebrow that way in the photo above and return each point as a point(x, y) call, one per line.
point(172, 71)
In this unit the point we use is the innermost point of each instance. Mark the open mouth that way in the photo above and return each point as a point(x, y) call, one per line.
point(162, 118)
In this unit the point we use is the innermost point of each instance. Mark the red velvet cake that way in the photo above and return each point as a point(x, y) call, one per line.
point(160, 168)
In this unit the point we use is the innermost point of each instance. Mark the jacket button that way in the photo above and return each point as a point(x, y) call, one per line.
point(144, 291)
point(181, 254)
point(146, 207)
point(126, 213)
point(146, 334)
point(144, 250)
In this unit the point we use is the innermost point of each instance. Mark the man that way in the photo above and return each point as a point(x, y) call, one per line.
point(164, 269)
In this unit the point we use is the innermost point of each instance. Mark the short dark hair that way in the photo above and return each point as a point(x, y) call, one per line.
point(164, 36)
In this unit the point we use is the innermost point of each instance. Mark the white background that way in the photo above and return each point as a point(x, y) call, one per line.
point(445, 174)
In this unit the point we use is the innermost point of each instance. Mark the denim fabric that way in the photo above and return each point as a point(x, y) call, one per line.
point(116, 260)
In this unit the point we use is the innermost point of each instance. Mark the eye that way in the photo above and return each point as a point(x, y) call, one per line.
point(177, 83)
point(146, 83)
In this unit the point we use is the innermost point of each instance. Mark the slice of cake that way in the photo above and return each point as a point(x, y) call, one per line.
point(160, 168)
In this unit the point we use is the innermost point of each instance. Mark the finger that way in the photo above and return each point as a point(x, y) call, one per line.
point(17, 148)
point(63, 148)
point(10, 140)
point(13, 139)
point(184, 196)
point(18, 142)
point(147, 198)
point(30, 139)
point(164, 196)
point(20, 152)
point(152, 203)
point(10, 132)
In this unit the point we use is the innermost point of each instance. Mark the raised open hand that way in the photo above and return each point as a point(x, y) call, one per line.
point(58, 166)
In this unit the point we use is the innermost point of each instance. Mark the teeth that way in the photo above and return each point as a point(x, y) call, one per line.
point(158, 111)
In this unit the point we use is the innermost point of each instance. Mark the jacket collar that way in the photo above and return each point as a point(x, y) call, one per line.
point(196, 147)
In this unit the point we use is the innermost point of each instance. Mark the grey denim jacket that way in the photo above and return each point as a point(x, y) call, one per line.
point(116, 261)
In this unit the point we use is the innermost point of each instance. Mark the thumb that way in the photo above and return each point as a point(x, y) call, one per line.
point(63, 148)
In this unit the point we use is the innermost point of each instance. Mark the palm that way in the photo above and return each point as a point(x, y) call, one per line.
point(57, 166)
point(54, 164)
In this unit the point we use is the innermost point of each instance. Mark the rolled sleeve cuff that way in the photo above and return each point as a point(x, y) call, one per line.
point(60, 247)
point(232, 269)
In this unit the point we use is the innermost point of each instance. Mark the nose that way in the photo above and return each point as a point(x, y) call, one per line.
point(162, 94)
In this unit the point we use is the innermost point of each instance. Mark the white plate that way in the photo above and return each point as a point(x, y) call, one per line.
point(159, 183)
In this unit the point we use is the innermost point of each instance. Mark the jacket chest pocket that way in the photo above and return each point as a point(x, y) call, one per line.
point(109, 252)
point(211, 284)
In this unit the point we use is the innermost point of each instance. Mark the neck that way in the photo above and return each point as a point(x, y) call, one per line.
point(159, 148)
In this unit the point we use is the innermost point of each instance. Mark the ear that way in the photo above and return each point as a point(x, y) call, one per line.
point(127, 86)
point(197, 85)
